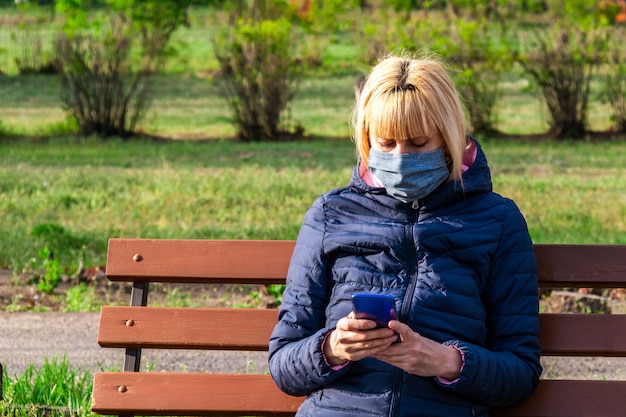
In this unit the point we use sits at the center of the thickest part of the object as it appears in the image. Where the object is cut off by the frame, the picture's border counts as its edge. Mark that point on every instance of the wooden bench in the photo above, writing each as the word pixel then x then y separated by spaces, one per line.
pixel 139 326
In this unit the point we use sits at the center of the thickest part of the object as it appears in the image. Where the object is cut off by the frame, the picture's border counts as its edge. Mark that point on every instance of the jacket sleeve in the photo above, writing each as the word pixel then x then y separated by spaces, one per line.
pixel 296 361
pixel 507 370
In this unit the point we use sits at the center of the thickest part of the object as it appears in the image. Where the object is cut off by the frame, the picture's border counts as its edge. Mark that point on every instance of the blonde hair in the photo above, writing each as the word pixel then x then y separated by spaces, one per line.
pixel 405 97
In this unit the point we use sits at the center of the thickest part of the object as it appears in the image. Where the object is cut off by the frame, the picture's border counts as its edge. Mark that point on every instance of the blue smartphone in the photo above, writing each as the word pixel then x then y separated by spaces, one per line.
pixel 378 307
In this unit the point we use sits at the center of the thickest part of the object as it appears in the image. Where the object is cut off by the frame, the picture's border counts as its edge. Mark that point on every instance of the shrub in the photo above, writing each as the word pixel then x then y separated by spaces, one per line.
pixel 259 71
pixel 478 50
pixel 27 44
pixel 99 89
pixel 105 70
pixel 562 61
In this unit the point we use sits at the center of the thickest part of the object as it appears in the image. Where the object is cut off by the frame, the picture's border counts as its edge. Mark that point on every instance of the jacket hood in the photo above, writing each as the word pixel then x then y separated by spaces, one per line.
pixel 476 180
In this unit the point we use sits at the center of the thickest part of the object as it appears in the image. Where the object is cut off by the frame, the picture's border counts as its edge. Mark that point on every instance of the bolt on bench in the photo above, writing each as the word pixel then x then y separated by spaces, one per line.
pixel 137 327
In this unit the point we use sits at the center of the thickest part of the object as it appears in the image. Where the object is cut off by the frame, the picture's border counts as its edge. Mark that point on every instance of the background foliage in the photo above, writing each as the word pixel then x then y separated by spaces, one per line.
pixel 484 42
pixel 184 174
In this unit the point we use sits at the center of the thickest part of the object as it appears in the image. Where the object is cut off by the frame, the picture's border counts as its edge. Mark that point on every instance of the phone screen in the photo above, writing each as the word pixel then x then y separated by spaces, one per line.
pixel 378 307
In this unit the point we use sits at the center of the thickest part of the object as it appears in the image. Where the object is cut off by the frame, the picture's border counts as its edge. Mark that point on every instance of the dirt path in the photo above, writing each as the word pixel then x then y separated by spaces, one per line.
pixel 27 338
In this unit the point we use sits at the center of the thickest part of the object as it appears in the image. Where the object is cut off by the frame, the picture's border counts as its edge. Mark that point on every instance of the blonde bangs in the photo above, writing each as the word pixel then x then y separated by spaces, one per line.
pixel 401 115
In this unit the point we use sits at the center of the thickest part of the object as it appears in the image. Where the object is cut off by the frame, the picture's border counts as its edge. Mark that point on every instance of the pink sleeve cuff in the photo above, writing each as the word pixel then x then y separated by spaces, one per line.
pixel 336 367
pixel 445 381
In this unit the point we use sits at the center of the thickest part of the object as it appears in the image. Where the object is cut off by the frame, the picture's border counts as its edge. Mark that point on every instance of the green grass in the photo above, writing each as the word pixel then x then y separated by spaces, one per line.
pixel 54 389
pixel 92 191
pixel 570 192
pixel 72 196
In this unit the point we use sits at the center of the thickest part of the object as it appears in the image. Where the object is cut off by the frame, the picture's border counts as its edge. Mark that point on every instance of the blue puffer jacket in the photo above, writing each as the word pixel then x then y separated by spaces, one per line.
pixel 462 270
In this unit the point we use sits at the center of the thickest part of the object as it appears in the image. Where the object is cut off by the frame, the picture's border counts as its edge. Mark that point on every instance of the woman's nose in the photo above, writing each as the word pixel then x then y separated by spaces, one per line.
pixel 401 148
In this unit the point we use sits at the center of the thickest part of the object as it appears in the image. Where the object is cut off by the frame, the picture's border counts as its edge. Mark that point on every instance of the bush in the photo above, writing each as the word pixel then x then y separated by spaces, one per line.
pixel 259 72
pixel 562 61
pixel 28 45
pixel 481 55
pixel 98 86
pixel 106 59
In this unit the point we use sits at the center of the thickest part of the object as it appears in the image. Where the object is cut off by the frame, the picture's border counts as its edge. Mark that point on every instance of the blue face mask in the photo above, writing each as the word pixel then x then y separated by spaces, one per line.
pixel 411 176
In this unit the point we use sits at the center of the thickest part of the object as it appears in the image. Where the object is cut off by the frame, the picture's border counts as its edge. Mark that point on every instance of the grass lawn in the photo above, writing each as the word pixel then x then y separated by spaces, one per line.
pixel 71 196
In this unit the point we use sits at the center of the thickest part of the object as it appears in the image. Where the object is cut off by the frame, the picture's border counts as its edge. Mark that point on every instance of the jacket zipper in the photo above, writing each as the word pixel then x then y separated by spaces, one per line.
pixel 408 296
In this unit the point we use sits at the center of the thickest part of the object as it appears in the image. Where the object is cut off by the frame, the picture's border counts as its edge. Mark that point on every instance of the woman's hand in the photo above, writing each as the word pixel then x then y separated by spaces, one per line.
pixel 354 339
pixel 421 356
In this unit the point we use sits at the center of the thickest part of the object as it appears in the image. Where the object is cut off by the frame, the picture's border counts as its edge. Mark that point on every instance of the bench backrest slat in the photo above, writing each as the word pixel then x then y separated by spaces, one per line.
pixel 266 262
pixel 581 266
pixel 198 261
pixel 583 335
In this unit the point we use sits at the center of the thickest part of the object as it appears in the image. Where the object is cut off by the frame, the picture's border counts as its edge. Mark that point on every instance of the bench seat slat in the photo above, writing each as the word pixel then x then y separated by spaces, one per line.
pixel 570 398
pixel 195 394
pixel 199 261
pixel 190 394
pixel 186 328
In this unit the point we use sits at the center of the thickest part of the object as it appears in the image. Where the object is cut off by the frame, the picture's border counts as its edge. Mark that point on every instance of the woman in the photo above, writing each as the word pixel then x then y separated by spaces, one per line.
pixel 418 221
